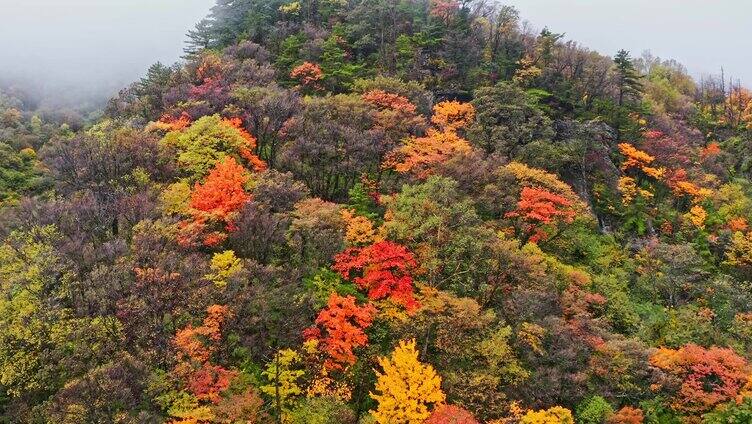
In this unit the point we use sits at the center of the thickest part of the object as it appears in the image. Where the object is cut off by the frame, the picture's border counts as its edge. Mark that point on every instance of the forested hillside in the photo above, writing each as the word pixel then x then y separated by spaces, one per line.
pixel 381 211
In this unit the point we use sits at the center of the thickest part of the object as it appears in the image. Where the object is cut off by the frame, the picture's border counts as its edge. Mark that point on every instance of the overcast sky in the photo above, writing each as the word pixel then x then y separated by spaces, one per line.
pixel 89 44
pixel 702 34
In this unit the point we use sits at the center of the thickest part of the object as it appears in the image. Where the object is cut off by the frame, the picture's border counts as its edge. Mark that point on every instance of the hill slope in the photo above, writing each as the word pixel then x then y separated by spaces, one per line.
pixel 381 211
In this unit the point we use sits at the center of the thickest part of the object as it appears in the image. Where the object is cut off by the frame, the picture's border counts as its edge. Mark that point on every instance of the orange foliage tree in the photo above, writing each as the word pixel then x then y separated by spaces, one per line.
pixel 217 200
pixel 169 123
pixel 384 100
pixel 681 187
pixel 444 9
pixel 712 149
pixel 195 346
pixel 701 378
pixel 246 152
pixel 453 115
pixel 627 415
pixel 190 341
pixel 420 154
pixel 309 75
pixel 395 114
pixel 384 269
pixel 678 181
pixel 538 207
pixel 340 329
pixel 737 224
pixel 451 414
pixel 359 230
pixel 637 159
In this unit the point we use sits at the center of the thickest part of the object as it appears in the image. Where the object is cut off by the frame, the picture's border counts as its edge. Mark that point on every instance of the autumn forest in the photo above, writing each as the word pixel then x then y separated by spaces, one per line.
pixel 381 212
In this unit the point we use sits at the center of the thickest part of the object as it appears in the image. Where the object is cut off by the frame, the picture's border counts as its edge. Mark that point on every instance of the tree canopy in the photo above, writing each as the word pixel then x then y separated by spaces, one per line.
pixel 381 211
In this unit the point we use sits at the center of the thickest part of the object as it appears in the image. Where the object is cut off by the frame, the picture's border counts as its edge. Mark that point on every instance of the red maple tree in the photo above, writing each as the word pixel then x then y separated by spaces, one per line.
pixel 383 269
pixel 209 381
pixel 538 207
pixel 451 414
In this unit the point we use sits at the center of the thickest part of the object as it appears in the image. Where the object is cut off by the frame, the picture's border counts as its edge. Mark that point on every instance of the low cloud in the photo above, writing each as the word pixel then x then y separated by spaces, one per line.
pixel 76 51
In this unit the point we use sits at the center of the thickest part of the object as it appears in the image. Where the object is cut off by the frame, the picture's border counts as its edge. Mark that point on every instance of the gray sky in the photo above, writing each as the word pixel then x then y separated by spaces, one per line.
pixel 85 45
pixel 702 34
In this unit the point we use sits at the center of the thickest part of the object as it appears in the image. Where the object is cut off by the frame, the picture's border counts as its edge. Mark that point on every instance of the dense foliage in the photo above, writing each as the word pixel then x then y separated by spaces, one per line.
pixel 381 211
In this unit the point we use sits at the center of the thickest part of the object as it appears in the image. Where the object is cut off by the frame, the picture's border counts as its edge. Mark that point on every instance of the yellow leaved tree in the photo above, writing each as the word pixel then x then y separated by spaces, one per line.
pixel 555 415
pixel 406 387
pixel 282 379
pixel 697 216
pixel 739 252
pixel 223 266
pixel 360 231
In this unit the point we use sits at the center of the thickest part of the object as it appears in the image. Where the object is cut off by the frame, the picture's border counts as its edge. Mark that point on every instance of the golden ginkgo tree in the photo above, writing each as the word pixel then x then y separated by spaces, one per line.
pixel 406 389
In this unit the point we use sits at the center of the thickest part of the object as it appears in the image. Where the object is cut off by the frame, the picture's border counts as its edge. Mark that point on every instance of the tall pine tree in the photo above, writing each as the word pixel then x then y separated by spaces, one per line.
pixel 200 38
pixel 629 80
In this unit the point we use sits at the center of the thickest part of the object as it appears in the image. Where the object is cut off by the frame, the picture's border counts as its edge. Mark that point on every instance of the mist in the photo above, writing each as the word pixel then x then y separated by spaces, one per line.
pixel 81 52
